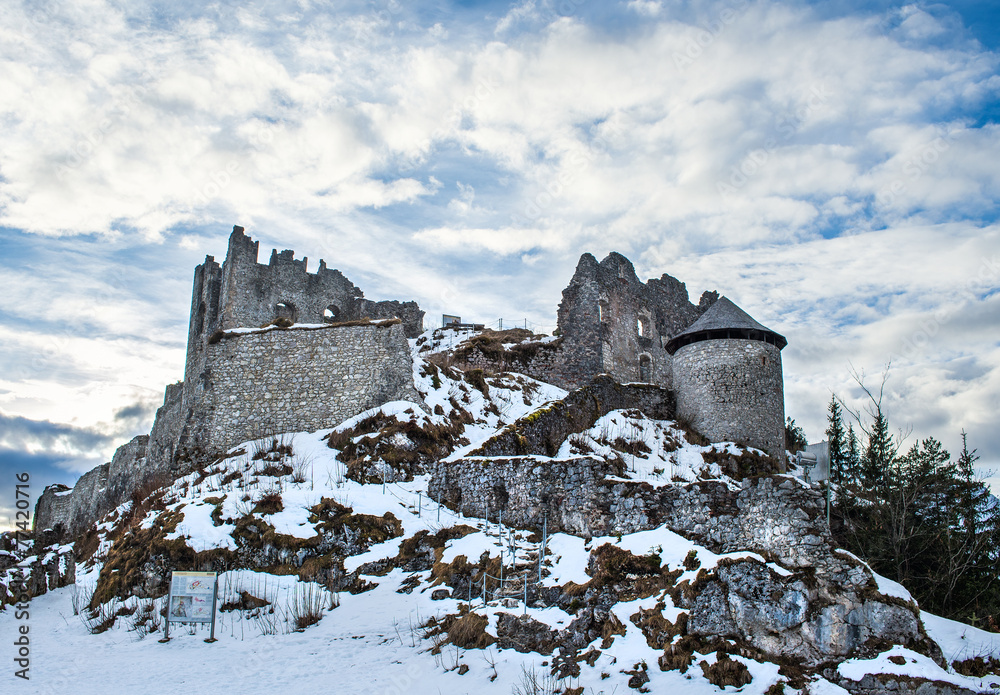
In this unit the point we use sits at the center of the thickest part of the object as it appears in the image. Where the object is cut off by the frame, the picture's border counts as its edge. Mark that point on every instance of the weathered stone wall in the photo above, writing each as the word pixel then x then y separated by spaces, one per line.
pixel 543 431
pixel 251 292
pixel 127 469
pixel 274 381
pixel 731 390
pixel 299 379
pixel 72 513
pixel 606 309
pixel 168 426
pixel 774 514
pixel 599 321
pixel 52 510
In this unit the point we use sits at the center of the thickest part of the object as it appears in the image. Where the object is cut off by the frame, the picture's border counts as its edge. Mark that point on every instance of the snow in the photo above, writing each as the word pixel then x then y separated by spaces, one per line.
pixel 294 326
pixel 371 642
pixel 885 585
pixel 914 665
pixel 959 641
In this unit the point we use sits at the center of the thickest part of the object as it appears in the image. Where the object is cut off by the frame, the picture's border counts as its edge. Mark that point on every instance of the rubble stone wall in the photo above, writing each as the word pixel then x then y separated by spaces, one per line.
pixel 300 379
pixel 731 390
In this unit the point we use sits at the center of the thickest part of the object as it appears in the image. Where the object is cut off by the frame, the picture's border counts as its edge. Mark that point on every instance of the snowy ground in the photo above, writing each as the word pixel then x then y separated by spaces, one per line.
pixel 372 642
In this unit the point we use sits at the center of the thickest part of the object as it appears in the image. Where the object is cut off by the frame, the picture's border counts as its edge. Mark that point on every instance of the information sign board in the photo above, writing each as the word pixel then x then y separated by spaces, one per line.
pixel 192 597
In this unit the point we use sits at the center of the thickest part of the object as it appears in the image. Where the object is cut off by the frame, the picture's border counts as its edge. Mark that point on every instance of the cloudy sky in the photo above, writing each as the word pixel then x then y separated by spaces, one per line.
pixel 831 167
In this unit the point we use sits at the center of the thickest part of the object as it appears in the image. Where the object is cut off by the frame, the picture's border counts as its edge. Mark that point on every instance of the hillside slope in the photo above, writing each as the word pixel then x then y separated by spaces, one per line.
pixel 339 573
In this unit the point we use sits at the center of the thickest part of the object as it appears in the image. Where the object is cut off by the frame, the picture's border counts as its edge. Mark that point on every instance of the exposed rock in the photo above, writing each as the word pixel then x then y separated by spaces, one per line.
pixel 886 684
pixel 525 634
pixel 802 617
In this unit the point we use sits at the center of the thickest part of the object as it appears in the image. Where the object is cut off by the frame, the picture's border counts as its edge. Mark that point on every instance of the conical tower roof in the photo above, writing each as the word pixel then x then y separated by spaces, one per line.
pixel 724 320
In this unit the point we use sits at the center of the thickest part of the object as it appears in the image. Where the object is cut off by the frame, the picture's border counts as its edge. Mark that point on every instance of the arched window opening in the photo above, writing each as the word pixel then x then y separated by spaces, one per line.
pixel 602 311
pixel 331 313
pixel 642 326
pixel 645 369
pixel 285 310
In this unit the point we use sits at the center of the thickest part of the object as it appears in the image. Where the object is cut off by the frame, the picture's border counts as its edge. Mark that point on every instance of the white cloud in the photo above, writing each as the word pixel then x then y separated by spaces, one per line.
pixel 648 8
pixel 723 148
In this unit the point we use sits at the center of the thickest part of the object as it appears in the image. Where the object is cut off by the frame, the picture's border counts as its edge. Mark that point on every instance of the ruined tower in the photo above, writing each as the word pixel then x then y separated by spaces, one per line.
pixel 611 322
pixel 728 381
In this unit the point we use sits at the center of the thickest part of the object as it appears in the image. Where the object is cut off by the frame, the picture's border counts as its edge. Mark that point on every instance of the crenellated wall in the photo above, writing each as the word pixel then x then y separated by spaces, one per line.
pixel 246 385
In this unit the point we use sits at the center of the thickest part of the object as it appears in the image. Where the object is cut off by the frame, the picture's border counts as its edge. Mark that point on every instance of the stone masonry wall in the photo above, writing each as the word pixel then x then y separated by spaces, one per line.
pixel 299 379
pixel 774 515
pixel 52 510
pixel 731 390
pixel 73 511
pixel 599 320
pixel 252 291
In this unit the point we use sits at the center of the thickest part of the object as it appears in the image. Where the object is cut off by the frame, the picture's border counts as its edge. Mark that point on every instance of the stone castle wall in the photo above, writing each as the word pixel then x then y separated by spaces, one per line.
pixel 731 390
pixel 610 322
pixel 299 379
pixel 253 293
pixel 772 514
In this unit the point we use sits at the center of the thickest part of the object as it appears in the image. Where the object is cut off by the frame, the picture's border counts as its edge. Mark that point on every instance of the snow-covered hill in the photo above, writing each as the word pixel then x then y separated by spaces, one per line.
pixel 339 574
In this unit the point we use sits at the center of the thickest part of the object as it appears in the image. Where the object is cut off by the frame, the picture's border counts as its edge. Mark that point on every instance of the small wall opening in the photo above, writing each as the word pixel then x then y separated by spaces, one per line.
pixel 285 310
pixel 603 313
pixel 331 313
pixel 645 369
pixel 642 326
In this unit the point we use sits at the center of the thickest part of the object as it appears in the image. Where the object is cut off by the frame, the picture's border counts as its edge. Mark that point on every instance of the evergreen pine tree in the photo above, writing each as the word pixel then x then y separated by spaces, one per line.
pixel 837 439
pixel 851 472
pixel 880 452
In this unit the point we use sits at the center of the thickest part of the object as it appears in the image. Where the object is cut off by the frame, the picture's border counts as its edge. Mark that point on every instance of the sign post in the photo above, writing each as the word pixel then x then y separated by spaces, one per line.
pixel 192 599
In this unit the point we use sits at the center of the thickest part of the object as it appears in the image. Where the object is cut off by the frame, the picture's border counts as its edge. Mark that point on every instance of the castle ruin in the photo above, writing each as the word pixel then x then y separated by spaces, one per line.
pixel 723 366
pixel 273 348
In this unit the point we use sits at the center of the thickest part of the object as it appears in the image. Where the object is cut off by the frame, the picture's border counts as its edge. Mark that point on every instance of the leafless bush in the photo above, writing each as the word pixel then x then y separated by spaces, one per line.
pixel 302 469
pixel 307 605
pixel 145 620
pixel 533 682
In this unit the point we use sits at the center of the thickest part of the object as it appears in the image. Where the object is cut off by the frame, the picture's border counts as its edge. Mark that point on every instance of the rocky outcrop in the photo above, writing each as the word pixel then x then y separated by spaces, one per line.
pixel 892 684
pixel 52 568
pixel 809 619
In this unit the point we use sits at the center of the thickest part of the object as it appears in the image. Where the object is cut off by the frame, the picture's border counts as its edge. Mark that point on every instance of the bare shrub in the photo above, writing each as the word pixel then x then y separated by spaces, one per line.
pixel 145 620
pixel 307 605
pixel 534 682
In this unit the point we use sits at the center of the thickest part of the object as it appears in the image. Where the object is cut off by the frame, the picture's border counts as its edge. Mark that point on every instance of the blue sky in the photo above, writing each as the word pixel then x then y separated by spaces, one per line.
pixel 831 167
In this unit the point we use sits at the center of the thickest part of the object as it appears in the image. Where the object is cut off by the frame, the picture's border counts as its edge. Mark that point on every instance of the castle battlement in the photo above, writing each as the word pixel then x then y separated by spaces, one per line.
pixel 259 361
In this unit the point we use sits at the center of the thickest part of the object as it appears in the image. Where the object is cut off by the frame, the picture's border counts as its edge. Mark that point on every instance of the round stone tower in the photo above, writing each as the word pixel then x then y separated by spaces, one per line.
pixel 727 377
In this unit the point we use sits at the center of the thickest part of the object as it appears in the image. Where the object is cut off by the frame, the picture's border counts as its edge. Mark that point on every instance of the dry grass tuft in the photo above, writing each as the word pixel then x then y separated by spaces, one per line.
pixel 725 672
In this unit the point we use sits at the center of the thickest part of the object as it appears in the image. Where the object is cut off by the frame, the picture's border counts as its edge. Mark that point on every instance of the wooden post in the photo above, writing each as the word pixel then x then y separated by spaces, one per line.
pixel 215 602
